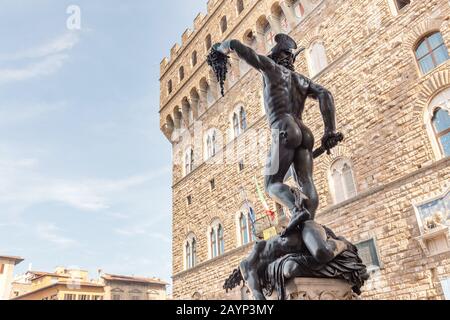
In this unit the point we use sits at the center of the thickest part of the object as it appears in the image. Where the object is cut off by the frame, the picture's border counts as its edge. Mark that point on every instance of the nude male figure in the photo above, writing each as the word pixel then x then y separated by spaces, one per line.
pixel 285 93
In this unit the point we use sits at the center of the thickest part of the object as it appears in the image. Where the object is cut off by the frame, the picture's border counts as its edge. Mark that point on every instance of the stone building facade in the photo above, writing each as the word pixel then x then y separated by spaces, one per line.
pixel 74 284
pixel 119 287
pixel 385 188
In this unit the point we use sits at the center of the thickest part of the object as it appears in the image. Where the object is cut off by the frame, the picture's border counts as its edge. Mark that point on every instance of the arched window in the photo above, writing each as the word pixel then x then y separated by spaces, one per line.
pixel 194 252
pixel 431 52
pixel 317 58
pixel 188 113
pixel 239 120
pixel 245 228
pixel 188 161
pixel 342 182
pixel 236 124
pixel 216 239
pixel 441 124
pixel 221 240
pixel 188 256
pixel 178 117
pixel 223 24
pixel 437 120
pixel 250 39
pixel 280 17
pixel 207 93
pixel 194 58
pixel 211 146
pixel 299 9
pixel 239 6
pixel 169 87
pixel 243 117
pixel 181 73
pixel 214 250
pixel 195 101
pixel 208 42
pixel 190 252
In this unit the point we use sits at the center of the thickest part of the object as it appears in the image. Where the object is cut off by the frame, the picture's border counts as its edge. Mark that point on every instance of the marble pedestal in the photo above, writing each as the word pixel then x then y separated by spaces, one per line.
pixel 318 289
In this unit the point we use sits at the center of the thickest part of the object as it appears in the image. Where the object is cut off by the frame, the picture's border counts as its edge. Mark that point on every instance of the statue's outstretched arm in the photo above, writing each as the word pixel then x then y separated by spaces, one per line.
pixel 246 53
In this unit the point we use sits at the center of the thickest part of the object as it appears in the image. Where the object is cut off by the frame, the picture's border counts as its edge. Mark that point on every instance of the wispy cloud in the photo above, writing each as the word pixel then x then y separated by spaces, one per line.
pixel 21 182
pixel 44 67
pixel 42 60
pixel 62 43
pixel 51 233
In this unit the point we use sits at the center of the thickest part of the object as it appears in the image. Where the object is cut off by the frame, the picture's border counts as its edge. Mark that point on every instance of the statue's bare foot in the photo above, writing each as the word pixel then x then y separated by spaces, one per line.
pixel 298 218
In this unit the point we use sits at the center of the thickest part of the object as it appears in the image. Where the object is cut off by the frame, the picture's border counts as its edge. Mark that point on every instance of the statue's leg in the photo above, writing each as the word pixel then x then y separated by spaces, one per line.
pixel 303 164
pixel 314 236
pixel 321 248
pixel 277 190
pixel 280 158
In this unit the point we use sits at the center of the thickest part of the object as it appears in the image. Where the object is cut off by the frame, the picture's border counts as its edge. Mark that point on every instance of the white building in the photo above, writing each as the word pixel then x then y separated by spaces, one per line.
pixel 7 264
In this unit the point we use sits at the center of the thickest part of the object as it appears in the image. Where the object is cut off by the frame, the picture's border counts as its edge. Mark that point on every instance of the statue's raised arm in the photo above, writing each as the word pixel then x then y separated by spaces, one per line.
pixel 257 61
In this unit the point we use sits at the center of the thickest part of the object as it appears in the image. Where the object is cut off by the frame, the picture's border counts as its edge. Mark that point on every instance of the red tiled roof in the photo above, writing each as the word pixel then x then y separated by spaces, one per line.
pixel 40 274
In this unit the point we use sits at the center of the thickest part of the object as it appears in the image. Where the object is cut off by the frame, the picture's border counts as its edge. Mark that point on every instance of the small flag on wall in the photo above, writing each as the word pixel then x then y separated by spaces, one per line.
pixel 252 216
pixel 262 199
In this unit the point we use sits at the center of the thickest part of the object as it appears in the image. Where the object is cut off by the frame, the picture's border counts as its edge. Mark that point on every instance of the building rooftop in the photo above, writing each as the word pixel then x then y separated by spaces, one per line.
pixel 16 260
pixel 115 277
pixel 39 274
pixel 60 283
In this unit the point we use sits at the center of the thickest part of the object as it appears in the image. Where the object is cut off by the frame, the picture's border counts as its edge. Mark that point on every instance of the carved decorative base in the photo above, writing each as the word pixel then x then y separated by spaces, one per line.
pixel 318 289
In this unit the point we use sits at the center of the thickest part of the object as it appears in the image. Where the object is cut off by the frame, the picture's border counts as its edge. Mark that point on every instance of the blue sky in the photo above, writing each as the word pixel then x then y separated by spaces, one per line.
pixel 85 176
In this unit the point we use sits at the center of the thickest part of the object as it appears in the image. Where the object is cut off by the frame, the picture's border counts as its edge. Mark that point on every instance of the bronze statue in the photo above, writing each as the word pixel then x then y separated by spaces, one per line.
pixel 305 248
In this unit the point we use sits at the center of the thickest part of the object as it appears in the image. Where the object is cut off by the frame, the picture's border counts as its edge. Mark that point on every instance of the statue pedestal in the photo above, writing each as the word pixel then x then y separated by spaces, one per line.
pixel 318 289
